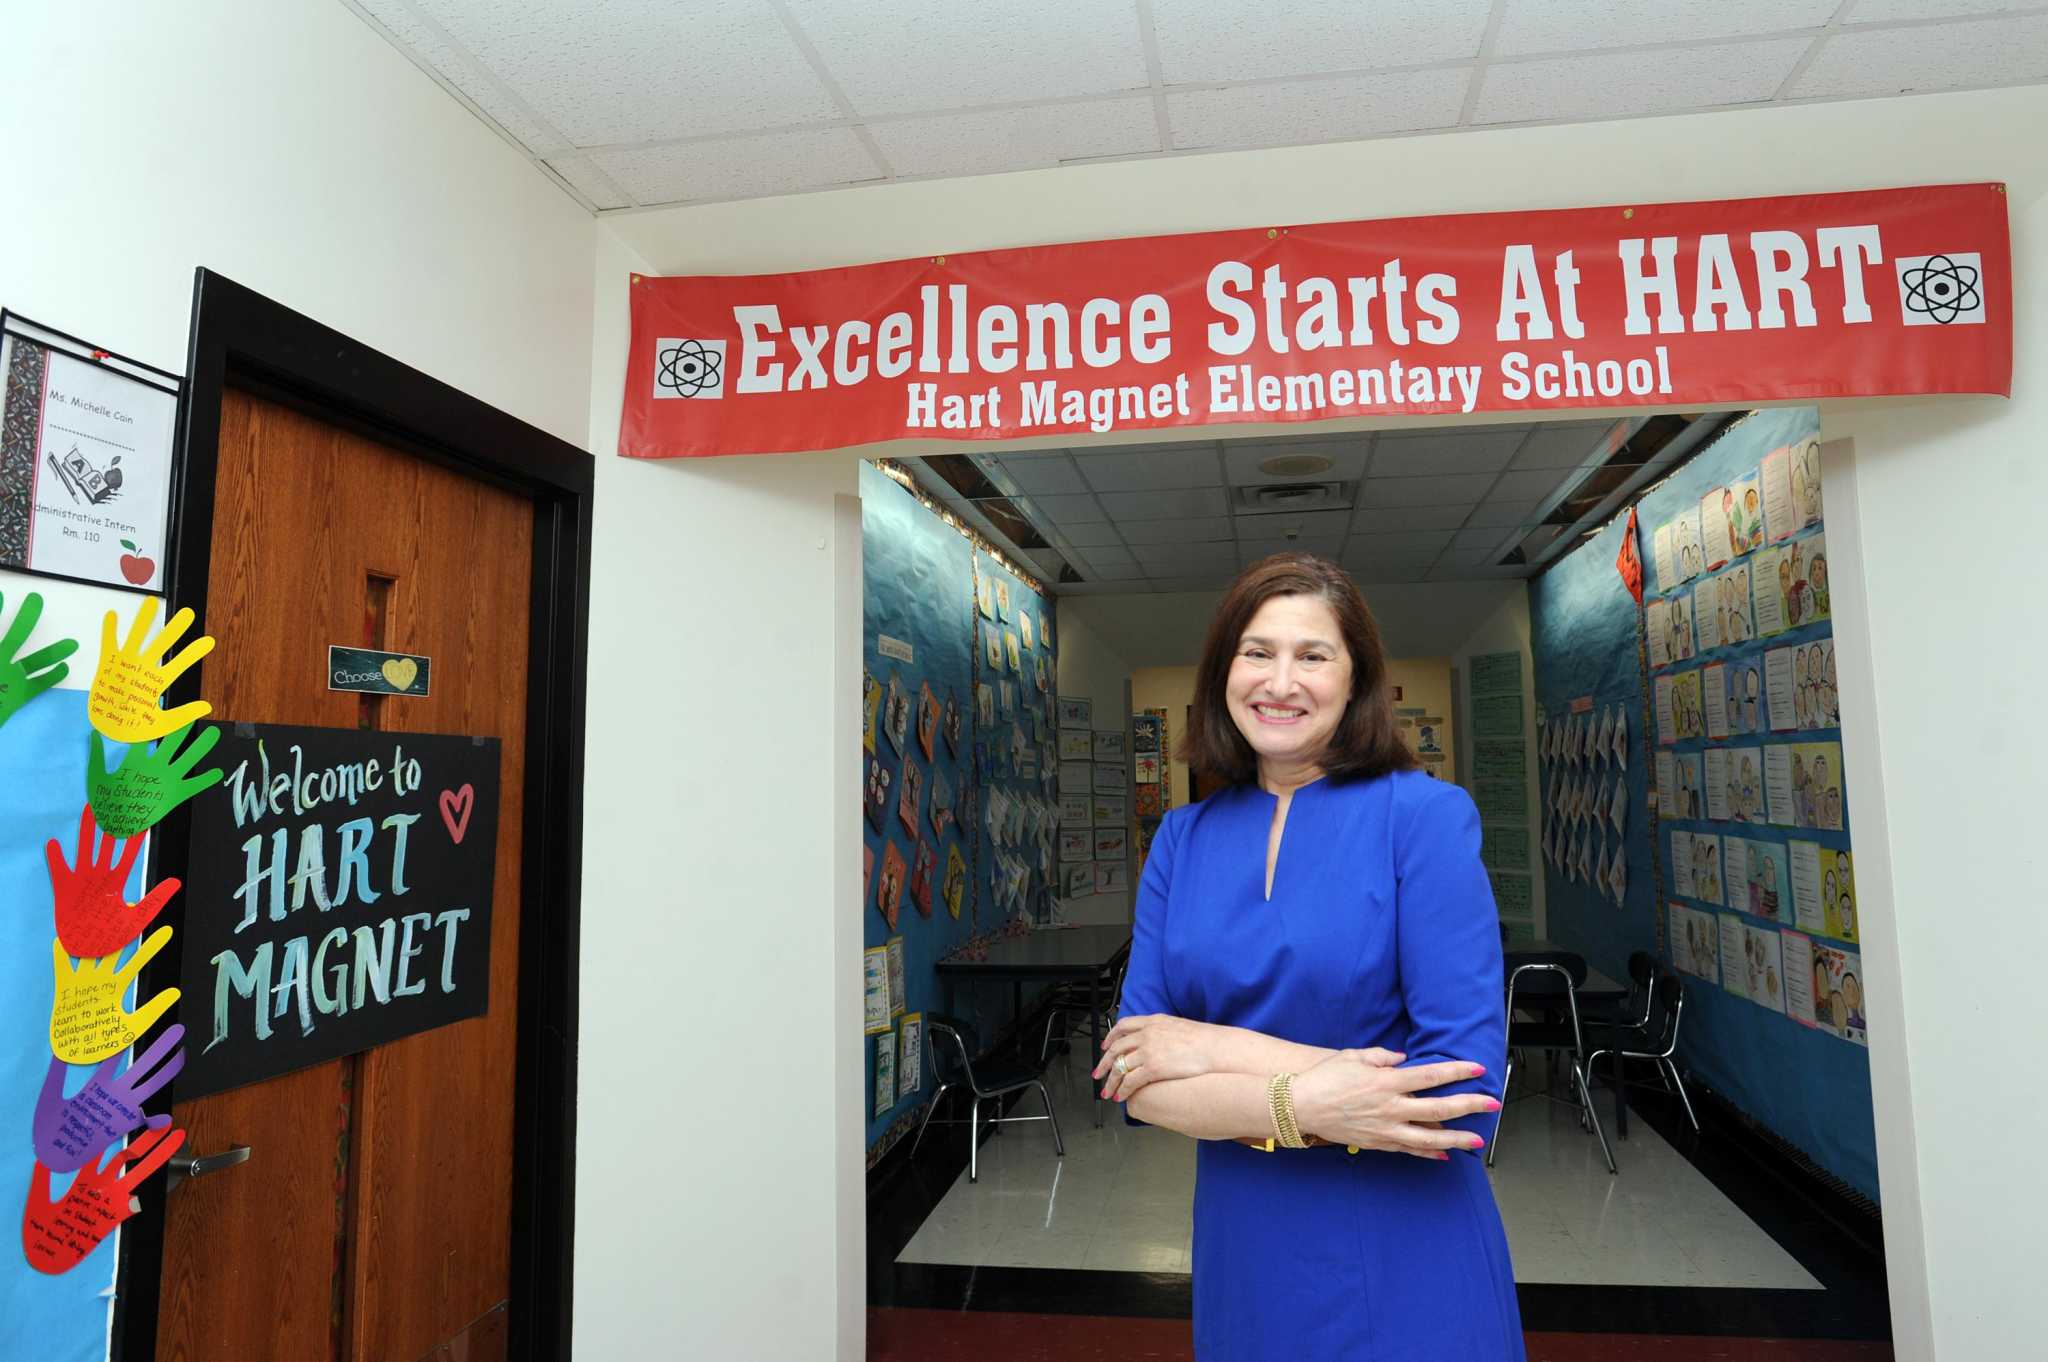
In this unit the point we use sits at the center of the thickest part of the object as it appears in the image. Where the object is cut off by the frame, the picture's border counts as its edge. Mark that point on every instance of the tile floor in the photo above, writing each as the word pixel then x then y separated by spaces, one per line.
pixel 1120 1201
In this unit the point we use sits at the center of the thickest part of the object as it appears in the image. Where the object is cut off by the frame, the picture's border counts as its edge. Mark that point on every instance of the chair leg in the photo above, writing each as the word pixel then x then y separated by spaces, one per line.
pixel 1059 1146
pixel 1507 1081
pixel 928 1112
pixel 974 1141
pixel 1593 1117
pixel 1679 1083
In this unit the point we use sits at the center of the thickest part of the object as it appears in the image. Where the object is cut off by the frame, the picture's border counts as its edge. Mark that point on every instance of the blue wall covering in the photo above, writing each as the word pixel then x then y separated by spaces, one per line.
pixel 919 578
pixel 1808 1084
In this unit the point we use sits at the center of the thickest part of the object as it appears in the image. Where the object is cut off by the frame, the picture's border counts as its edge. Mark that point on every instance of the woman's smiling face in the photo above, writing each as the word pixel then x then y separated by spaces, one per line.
pixel 1290 680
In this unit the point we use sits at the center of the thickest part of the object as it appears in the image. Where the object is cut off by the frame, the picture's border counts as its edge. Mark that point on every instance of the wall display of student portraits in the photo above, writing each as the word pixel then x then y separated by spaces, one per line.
pixel 959 762
pixel 1745 795
pixel 85 459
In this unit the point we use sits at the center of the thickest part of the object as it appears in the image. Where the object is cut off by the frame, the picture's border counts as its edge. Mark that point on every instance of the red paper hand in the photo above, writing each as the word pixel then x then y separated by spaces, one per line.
pixel 94 917
pixel 57 1235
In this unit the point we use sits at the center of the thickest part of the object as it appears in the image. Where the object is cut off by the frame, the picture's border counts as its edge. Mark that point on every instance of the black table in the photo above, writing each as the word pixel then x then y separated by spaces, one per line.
pixel 1598 989
pixel 1082 954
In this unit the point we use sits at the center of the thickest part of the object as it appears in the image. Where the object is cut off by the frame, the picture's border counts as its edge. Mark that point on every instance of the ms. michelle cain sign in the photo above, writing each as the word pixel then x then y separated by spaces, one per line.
pixel 1677 305
pixel 338 896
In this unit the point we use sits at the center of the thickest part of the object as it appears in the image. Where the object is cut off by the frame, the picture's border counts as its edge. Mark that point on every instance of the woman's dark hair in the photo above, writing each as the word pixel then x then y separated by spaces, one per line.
pixel 1365 742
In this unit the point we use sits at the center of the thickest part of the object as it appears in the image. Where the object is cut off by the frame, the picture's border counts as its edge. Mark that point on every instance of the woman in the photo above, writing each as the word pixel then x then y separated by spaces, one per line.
pixel 1329 902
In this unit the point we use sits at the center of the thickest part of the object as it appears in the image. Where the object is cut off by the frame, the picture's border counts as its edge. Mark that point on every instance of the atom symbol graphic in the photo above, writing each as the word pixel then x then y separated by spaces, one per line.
pixel 1941 289
pixel 688 368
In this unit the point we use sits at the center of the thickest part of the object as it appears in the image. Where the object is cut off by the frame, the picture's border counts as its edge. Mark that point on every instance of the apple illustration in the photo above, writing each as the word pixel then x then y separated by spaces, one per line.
pixel 134 566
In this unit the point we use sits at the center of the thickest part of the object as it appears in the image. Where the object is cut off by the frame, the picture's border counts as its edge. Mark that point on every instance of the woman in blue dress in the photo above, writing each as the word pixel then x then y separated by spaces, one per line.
pixel 1315 969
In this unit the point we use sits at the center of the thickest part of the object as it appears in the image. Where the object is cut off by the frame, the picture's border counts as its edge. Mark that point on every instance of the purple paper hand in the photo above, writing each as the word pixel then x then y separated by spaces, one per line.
pixel 71 1132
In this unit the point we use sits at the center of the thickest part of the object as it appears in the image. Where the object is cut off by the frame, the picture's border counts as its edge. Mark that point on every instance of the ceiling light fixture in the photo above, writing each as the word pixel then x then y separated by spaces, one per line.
pixel 1295 465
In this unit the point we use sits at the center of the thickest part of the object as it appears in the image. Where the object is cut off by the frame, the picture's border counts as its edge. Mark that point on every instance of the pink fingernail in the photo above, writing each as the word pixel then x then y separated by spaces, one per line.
pixel 1443 1158
pixel 1477 1143
pixel 1478 1069
pixel 1492 1105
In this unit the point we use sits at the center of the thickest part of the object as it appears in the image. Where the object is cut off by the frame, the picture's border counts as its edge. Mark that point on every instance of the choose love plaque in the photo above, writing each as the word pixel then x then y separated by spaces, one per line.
pixel 338 896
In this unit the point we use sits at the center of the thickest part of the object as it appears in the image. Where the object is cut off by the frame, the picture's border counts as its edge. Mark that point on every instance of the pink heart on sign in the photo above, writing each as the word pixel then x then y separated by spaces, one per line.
pixel 455 807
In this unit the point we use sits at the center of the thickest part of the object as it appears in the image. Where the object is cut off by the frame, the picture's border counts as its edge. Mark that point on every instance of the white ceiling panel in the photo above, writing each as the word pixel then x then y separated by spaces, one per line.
pixel 1575 25
pixel 897 56
pixel 1070 510
pixel 1276 525
pixel 1182 559
pixel 1439 452
pixel 1891 11
pixel 1346 457
pixel 1501 515
pixel 429 44
pixel 1108 556
pixel 1564 446
pixel 1525 485
pixel 1481 539
pixel 1403 545
pixel 1152 466
pixel 1433 491
pixel 1372 520
pixel 1197 530
pixel 1250 551
pixel 1314 110
pixel 590 182
pixel 617 71
pixel 1166 504
pixel 990 141
pixel 740 168
pixel 1614 84
pixel 1938 57
pixel 1114 572
pixel 1087 537
pixel 1227 40
pixel 1033 476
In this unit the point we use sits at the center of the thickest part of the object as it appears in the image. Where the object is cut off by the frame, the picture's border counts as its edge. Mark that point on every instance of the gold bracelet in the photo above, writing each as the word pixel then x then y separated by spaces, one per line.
pixel 1280 1096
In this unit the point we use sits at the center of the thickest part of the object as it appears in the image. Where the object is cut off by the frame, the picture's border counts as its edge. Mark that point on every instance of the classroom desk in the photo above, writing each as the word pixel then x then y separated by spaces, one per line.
pixel 1598 989
pixel 1079 954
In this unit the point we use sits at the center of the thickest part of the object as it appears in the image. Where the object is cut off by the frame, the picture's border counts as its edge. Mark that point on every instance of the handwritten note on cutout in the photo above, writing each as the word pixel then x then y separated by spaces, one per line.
pixel 57 1235
pixel 149 782
pixel 71 1131
pixel 94 917
pixel 88 1020
pixel 128 688
pixel 23 679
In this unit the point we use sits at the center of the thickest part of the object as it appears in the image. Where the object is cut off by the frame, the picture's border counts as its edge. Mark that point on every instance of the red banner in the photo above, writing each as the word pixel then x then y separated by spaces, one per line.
pixel 1679 305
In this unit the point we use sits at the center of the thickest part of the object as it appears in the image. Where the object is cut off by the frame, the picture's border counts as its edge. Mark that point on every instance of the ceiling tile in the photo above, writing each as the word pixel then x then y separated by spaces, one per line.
pixel 1160 559
pixel 1502 514
pixel 770 164
pixel 589 182
pixel 1241 459
pixel 1034 476
pixel 1575 25
pixel 1107 556
pixel 1204 529
pixel 1315 110
pixel 1119 572
pixel 1890 11
pixel 1403 545
pixel 1940 57
pixel 1567 445
pixel 1085 537
pixel 1147 468
pixel 610 71
pixel 1017 139
pixel 1252 550
pixel 1370 520
pixel 429 42
pixel 1616 84
pixel 1180 504
pixel 1481 539
pixel 1278 524
pixel 1467 556
pixel 1434 491
pixel 899 56
pixel 1213 40
pixel 1451 451
pixel 1069 510
pixel 1526 485
pixel 1370 575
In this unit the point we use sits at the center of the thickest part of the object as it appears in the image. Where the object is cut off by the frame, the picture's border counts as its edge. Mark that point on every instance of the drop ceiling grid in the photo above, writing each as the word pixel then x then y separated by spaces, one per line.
pixel 647 103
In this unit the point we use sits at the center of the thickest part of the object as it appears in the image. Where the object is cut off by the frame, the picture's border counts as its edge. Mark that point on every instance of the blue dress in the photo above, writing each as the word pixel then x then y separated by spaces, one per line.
pixel 1381 931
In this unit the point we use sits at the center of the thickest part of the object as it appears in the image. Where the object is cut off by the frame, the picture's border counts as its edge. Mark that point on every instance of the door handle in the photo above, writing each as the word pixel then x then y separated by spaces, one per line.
pixel 184 1166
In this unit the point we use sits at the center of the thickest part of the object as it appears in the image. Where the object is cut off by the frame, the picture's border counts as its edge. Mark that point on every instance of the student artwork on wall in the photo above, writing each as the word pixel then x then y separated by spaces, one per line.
pixel 1076 712
pixel 1109 746
pixel 1717 544
pixel 992 647
pixel 1824 890
pixel 909 1056
pixel 922 868
pixel 1828 984
pixel 928 716
pixel 898 991
pixel 1076 745
pixel 1109 779
pixel 889 888
pixel 1111 877
pixel 870 708
pixel 1076 844
pixel 955 883
pixel 1695 943
pixel 875 791
pixel 1024 629
pixel 1109 842
pixel 949 724
pixel 909 798
pixel 1685 542
pixel 1109 811
pixel 885 1072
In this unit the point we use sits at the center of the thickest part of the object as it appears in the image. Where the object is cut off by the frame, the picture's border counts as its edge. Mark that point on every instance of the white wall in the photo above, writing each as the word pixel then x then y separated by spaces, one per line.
pixel 287 146
pixel 1505 630
pixel 1943 589
pixel 1093 666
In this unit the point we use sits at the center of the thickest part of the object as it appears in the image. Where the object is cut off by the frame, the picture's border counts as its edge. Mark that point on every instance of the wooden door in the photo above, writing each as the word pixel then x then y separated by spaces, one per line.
pixel 372 1221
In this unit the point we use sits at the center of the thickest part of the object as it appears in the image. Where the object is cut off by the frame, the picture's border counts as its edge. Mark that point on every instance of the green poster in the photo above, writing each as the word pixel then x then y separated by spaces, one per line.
pixel 1497 716
pixel 1494 673
pixel 1502 798
pixel 1512 895
pixel 1499 758
pixel 1504 848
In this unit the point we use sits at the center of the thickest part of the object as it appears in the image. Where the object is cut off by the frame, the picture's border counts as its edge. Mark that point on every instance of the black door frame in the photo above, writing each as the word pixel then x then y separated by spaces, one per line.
pixel 241 339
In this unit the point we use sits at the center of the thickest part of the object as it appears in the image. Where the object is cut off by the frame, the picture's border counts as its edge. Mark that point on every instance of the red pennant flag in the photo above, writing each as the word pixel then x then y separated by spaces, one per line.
pixel 1629 562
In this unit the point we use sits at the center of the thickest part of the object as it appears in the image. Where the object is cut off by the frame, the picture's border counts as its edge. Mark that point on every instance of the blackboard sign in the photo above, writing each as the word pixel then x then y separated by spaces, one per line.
pixel 337 896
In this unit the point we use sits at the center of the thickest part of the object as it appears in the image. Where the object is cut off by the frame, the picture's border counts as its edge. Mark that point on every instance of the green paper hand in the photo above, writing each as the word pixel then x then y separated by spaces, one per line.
pixel 147 784
pixel 22 680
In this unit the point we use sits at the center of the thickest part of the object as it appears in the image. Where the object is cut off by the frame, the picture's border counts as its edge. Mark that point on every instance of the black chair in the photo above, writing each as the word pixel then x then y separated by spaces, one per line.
pixel 1656 1041
pixel 949 1040
pixel 1071 1005
pixel 1547 982
pixel 1634 1010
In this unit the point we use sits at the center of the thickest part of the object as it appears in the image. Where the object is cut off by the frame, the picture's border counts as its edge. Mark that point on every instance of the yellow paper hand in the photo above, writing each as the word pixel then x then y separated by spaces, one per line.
pixel 88 1021
pixel 132 678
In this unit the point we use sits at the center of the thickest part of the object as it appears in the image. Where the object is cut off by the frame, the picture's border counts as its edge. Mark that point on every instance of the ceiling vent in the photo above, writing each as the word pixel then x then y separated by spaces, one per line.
pixel 1293 497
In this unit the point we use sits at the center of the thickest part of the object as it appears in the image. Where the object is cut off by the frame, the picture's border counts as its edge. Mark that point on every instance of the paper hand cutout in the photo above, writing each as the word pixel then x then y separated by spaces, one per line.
pixel 57 1235
pixel 94 917
pixel 148 783
pixel 88 1021
pixel 23 679
pixel 71 1132
pixel 132 679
